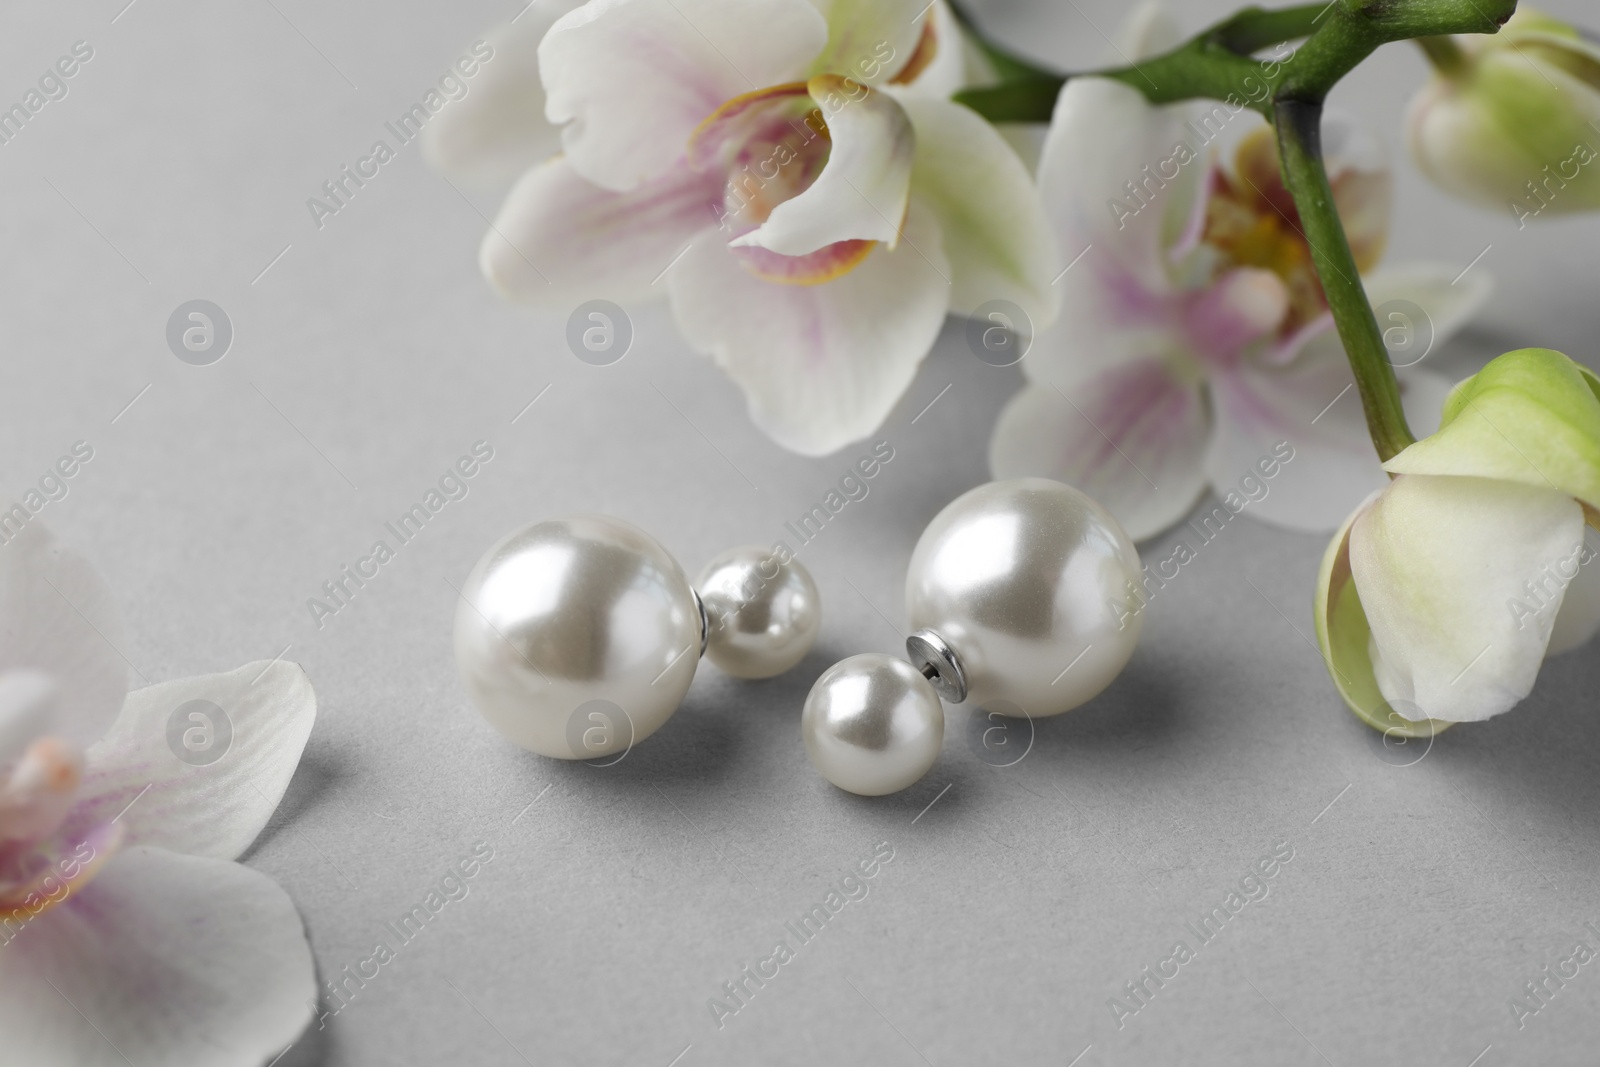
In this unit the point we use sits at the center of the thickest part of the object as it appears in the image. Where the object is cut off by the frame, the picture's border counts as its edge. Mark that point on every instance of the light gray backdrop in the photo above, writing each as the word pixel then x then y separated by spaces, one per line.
pixel 370 356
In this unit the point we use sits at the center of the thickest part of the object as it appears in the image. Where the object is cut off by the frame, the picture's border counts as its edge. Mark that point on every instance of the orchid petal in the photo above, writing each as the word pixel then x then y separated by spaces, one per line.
pixel 1311 406
pixel 1448 299
pixel 995 231
pixel 162 959
pixel 943 61
pixel 202 803
pixel 820 365
pixel 631 79
pixel 57 618
pixel 497 129
pixel 1087 192
pixel 869 40
pixel 1346 643
pixel 1444 566
pixel 862 192
pixel 1133 438
pixel 560 240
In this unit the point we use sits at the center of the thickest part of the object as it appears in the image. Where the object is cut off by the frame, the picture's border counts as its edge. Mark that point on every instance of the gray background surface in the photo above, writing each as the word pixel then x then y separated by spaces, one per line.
pixel 1415 907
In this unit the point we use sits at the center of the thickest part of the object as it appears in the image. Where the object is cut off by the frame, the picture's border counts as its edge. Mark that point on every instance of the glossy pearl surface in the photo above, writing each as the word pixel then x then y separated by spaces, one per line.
pixel 1035 587
pixel 762 615
pixel 872 724
pixel 563 623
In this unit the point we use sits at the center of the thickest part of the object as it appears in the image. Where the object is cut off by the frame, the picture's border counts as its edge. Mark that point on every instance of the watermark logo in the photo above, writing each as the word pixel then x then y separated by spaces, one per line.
pixel 599 333
pixel 1408 332
pixel 1000 734
pixel 199 333
pixel 1398 748
pixel 199 733
pixel 601 730
pixel 1000 333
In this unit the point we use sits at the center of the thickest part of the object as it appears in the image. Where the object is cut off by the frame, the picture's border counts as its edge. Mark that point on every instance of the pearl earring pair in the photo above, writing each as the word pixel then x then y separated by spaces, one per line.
pixel 578 637
pixel 1018 593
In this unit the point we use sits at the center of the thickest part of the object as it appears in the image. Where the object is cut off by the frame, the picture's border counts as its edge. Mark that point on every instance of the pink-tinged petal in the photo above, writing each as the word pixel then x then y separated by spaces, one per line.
pixel 823 265
pixel 820 365
pixel 1444 567
pixel 497 129
pixel 198 765
pixel 57 618
pixel 870 40
pixel 1237 310
pixel 1133 438
pixel 44 878
pixel 995 230
pixel 861 193
pixel 162 959
pixel 631 79
pixel 560 240
pixel 1311 406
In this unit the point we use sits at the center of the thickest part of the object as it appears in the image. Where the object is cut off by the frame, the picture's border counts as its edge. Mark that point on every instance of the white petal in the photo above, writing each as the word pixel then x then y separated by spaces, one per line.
pixel 869 40
pixel 1447 298
pixel 498 129
pixel 28 701
pixel 821 365
pixel 1311 406
pixel 995 231
pixel 1149 31
pixel 162 959
pixel 951 65
pixel 560 240
pixel 1134 439
pixel 206 808
pixel 1441 565
pixel 862 192
pixel 633 78
pixel 58 618
pixel 1104 136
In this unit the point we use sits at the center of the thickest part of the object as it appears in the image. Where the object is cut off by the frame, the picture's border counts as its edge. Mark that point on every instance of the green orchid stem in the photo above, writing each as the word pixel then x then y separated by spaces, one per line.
pixel 1443 52
pixel 1299 127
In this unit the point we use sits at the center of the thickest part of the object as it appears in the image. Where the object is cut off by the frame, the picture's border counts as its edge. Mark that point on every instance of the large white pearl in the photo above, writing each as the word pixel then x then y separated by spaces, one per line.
pixel 872 724
pixel 577 637
pixel 762 615
pixel 1034 586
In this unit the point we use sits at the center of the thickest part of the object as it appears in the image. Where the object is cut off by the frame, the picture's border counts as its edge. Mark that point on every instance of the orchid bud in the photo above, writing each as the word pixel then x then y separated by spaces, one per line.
pixel 1513 120
pixel 1443 594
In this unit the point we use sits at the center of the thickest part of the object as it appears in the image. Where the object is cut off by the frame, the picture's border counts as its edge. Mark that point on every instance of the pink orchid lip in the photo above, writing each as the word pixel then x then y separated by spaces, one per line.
pixel 772 144
pixel 56 875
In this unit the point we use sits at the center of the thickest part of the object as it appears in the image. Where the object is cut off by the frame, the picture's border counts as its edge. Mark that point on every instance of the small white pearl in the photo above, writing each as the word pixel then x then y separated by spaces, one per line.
pixel 872 724
pixel 577 637
pixel 763 615
pixel 1033 585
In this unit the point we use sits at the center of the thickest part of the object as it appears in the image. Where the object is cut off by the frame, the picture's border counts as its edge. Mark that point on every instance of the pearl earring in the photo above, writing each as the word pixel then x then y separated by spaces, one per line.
pixel 1019 595
pixel 578 637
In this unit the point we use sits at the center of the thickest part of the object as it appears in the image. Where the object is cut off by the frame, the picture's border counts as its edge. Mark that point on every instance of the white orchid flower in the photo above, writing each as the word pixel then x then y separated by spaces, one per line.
pixel 1194 336
pixel 1442 595
pixel 791 175
pixel 128 934
pixel 1512 120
